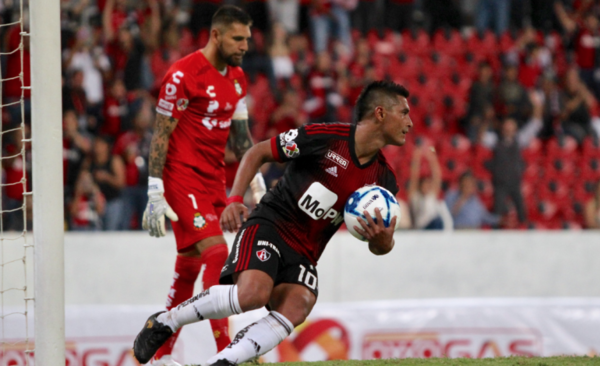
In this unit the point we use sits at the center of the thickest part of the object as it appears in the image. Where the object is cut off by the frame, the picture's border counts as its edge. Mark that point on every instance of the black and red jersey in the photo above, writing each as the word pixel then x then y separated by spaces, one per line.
pixel 307 204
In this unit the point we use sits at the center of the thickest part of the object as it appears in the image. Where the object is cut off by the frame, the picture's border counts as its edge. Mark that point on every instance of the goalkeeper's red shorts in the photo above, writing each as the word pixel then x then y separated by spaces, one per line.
pixel 198 209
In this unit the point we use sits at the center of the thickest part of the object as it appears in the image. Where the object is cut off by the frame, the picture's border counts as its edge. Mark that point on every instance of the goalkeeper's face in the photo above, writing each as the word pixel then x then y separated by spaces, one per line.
pixel 233 43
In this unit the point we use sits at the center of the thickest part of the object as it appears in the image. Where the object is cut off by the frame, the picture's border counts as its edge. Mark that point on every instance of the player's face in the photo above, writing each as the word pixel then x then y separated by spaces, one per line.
pixel 397 122
pixel 233 43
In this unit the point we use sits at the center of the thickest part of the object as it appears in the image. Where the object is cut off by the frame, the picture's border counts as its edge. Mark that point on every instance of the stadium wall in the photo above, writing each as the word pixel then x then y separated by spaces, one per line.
pixel 133 268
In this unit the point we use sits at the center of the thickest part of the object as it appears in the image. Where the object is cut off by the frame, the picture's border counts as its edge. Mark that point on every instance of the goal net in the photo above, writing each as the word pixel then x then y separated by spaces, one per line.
pixel 31 251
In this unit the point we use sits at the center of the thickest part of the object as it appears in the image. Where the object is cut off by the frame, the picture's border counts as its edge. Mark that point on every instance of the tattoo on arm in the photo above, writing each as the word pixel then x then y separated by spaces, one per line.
pixel 239 137
pixel 160 144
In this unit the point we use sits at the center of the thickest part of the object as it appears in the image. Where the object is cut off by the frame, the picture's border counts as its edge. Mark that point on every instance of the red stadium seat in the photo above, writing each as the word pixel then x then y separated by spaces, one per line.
pixel 508 41
pixel 533 153
pixel 591 148
pixel 590 169
pixel 416 42
pixel 449 42
pixel 456 146
pixel 564 146
pixel 556 168
pixel 485 43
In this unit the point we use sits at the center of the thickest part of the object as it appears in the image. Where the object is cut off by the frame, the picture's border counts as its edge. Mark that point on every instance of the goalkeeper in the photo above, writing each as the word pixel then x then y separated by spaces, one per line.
pixel 201 108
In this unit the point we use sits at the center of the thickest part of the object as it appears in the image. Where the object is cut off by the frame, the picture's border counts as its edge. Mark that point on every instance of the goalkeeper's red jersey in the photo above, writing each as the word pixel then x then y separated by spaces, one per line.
pixel 205 101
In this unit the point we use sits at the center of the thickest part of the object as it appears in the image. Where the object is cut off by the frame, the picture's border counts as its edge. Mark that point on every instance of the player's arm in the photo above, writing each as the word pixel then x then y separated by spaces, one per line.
pixel 240 142
pixel 157 208
pixel 252 160
pixel 159 146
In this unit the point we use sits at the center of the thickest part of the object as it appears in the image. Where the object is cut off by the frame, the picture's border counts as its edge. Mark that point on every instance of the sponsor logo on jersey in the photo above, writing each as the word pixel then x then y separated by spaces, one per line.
pixel 238 88
pixel 165 105
pixel 291 150
pixel 182 104
pixel 264 243
pixel 224 268
pixel 212 217
pixel 263 255
pixel 228 107
pixel 318 201
pixel 336 158
pixel 332 171
pixel 211 123
pixel 199 221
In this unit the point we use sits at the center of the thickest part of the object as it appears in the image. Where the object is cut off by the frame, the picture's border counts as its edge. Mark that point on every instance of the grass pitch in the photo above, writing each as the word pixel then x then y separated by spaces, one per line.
pixel 498 361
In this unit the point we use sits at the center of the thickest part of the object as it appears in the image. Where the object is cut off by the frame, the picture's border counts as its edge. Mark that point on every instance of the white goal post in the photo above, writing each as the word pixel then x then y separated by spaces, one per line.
pixel 48 215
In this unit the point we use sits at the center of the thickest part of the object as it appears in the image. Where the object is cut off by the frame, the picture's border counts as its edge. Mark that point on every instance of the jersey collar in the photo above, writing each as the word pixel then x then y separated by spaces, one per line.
pixel 353 151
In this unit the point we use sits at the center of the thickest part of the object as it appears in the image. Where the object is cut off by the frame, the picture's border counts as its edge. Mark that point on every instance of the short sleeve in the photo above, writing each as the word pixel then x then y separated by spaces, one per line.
pixel 294 144
pixel 241 110
pixel 390 183
pixel 173 98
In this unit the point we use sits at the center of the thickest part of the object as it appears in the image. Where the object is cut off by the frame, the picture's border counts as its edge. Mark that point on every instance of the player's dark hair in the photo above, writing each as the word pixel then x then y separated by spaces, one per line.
pixel 376 94
pixel 229 14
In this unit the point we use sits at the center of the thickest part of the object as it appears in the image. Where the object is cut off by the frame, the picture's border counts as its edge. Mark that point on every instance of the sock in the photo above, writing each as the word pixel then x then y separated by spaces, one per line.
pixel 182 288
pixel 256 339
pixel 215 303
pixel 213 258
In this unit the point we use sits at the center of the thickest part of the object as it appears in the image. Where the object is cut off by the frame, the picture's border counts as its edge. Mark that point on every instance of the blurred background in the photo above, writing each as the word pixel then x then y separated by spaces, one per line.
pixel 503 99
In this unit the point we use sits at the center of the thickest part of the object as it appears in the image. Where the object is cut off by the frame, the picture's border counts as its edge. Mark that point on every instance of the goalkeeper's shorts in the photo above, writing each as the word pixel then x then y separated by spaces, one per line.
pixel 198 209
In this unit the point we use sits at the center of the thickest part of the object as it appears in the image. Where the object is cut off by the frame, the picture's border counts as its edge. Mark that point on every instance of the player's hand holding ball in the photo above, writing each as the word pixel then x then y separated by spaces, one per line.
pixel 234 214
pixel 156 209
pixel 371 214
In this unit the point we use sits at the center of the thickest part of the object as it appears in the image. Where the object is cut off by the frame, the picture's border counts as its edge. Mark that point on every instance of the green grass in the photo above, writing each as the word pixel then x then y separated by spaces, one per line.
pixel 498 361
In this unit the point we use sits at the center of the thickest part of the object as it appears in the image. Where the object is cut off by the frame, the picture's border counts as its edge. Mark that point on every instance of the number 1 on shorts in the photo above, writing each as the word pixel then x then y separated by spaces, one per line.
pixel 191 196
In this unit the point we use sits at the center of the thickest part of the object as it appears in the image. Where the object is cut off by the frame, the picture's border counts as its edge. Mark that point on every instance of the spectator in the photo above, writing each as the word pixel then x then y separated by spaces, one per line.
pixel 109 173
pixel 75 98
pixel 201 16
pixel 423 193
pixel 592 210
pixel 576 118
pixel 15 170
pixel 285 12
pixel 77 144
pixel 279 51
pixel 88 205
pixel 554 102
pixel 586 38
pixel 482 91
pixel 323 97
pixel 331 17
pixel 89 57
pixel 368 15
pixel 116 110
pixel 134 148
pixel 11 88
pixel 493 11
pixel 468 212
pixel 512 96
pixel 288 115
pixel 507 164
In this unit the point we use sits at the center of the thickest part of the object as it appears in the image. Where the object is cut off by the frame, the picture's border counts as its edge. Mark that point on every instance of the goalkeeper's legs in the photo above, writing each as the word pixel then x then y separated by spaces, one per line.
pixel 186 272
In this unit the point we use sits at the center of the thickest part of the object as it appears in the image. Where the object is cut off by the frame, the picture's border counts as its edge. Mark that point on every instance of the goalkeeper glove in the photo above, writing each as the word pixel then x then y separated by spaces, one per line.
pixel 156 209
pixel 258 187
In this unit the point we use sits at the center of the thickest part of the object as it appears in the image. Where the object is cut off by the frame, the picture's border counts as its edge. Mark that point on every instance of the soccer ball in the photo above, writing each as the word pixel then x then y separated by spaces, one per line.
pixel 367 199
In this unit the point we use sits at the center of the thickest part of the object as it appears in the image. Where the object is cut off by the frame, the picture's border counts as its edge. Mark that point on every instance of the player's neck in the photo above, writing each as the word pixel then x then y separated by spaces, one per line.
pixel 367 142
pixel 211 54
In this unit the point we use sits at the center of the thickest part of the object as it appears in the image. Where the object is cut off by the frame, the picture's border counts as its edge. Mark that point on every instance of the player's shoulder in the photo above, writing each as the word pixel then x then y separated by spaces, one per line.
pixel 192 64
pixel 328 130
pixel 236 72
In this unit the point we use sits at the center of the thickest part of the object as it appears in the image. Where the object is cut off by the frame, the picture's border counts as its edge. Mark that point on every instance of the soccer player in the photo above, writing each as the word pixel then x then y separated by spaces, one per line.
pixel 274 257
pixel 201 108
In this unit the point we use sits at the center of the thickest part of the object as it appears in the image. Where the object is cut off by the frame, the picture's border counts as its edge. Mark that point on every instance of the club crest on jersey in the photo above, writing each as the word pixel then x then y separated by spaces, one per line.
pixel 263 255
pixel 199 221
pixel 182 104
pixel 288 136
pixel 238 88
pixel 291 150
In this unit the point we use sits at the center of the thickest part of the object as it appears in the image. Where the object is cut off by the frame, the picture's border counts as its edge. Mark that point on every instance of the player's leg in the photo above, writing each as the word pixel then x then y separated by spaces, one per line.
pixel 290 304
pixel 291 301
pixel 216 302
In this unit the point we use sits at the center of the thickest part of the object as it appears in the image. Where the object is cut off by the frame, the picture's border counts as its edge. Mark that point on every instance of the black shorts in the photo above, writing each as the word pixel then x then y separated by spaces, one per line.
pixel 259 246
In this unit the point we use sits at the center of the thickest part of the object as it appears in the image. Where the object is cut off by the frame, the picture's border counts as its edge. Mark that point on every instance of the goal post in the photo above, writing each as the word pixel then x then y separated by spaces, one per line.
pixel 47 175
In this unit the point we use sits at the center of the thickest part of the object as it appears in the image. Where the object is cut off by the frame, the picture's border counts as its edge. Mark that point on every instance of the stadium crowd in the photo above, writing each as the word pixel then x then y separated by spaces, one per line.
pixel 504 99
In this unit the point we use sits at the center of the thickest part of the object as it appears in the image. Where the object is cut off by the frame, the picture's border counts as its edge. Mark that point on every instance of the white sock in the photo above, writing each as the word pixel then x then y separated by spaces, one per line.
pixel 217 302
pixel 256 339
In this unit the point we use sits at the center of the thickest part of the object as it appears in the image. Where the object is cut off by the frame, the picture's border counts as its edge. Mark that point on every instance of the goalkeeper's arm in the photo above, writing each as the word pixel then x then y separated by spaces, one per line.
pixel 157 208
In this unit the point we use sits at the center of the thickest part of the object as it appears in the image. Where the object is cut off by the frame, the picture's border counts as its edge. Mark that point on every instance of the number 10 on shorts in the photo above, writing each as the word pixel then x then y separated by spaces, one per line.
pixel 309 279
